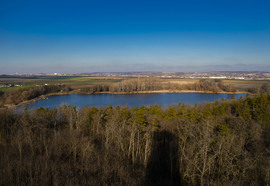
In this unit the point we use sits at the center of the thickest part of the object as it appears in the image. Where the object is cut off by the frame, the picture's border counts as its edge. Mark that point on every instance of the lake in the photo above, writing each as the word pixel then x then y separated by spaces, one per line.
pixel 131 100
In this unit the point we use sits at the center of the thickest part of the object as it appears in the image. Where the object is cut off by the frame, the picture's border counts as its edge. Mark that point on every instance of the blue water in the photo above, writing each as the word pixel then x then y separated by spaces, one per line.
pixel 131 100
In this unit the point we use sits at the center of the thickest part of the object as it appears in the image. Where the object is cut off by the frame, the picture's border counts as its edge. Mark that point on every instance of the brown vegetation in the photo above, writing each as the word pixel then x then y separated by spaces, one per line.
pixel 18 96
pixel 154 84
pixel 220 143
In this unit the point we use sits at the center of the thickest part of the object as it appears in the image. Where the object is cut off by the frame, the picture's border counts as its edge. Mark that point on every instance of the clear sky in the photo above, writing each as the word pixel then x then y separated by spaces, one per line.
pixel 44 36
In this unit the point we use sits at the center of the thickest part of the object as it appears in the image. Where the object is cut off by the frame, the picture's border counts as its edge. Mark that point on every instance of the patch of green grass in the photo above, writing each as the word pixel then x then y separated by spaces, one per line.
pixel 73 82
pixel 15 88
pixel 4 89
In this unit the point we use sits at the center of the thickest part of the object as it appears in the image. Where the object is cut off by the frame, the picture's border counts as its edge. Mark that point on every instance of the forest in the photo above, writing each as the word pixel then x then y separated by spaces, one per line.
pixel 221 143
pixel 14 97
pixel 153 84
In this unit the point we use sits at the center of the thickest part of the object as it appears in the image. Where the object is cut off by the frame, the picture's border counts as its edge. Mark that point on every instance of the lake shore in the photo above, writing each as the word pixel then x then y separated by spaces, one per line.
pixel 24 103
pixel 150 92
pixel 173 91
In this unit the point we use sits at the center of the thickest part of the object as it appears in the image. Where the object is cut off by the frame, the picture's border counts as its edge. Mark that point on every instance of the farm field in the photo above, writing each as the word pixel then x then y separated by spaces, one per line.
pixel 73 82
pixel 245 84
pixel 238 84
pixel 181 81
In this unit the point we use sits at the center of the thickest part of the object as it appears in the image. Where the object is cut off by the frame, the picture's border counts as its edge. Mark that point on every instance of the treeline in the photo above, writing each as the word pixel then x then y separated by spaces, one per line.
pixel 18 96
pixel 126 86
pixel 94 89
pixel 140 84
pixel 220 143
pixel 152 84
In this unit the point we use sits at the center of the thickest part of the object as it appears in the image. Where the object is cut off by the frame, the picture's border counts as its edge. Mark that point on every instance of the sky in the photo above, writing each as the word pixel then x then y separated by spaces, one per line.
pixel 44 36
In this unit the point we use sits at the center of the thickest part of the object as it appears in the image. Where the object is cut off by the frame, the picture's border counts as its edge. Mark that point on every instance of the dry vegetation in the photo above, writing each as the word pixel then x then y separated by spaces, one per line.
pixel 220 143
pixel 14 97
pixel 154 84
pixel 247 85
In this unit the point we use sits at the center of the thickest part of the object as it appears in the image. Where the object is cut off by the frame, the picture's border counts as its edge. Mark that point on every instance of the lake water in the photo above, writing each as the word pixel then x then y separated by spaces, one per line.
pixel 131 100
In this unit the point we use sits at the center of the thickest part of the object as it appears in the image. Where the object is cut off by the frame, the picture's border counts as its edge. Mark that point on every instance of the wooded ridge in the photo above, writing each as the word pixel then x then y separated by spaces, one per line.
pixel 220 143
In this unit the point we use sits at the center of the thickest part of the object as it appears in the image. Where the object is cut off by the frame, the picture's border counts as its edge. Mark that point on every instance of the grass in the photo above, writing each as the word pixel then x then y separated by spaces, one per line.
pixel 14 88
pixel 73 82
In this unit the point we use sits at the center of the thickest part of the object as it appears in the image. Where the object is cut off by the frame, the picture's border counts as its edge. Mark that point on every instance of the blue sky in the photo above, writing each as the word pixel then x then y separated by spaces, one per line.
pixel 134 35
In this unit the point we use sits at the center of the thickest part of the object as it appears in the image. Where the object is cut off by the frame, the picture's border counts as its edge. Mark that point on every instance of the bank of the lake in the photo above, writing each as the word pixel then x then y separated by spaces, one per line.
pixel 132 100
pixel 27 102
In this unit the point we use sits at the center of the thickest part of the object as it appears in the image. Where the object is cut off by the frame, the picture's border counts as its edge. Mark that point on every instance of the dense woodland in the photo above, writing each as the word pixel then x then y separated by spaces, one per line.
pixel 219 143
pixel 152 84
pixel 18 96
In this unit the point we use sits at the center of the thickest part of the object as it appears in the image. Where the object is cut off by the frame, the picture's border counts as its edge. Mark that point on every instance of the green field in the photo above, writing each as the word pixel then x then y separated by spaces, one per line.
pixel 15 88
pixel 73 82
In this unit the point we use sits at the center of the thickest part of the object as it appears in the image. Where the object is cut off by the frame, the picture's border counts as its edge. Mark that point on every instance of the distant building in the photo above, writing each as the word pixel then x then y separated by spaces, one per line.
pixel 219 77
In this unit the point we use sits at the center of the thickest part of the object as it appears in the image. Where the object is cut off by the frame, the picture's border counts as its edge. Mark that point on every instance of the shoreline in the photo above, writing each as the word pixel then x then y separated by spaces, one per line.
pixel 172 91
pixel 149 92
pixel 24 103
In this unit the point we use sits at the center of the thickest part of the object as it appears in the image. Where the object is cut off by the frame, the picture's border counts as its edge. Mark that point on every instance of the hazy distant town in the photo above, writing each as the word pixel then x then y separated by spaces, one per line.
pixel 241 75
